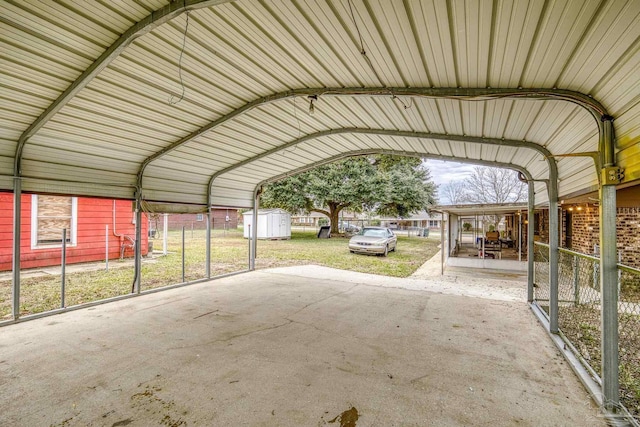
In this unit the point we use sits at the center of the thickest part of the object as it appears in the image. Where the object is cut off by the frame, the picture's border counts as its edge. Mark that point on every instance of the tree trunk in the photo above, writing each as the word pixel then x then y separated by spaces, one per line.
pixel 334 211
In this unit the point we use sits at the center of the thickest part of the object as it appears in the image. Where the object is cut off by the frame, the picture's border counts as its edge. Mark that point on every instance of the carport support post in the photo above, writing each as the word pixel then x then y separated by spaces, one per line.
pixel 207 261
pixel 554 254
pixel 530 247
pixel 137 262
pixel 608 273
pixel 442 248
pixel 253 235
pixel 17 208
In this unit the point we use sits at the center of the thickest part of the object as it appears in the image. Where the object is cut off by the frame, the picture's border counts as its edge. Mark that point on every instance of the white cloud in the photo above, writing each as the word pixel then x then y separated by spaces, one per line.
pixel 443 172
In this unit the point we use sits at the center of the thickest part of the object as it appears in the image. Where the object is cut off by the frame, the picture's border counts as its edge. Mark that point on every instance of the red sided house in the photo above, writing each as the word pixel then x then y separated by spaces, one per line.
pixel 86 220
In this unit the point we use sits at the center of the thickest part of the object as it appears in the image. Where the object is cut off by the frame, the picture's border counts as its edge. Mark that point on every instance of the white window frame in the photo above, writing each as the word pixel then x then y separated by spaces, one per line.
pixel 34 225
pixel 199 217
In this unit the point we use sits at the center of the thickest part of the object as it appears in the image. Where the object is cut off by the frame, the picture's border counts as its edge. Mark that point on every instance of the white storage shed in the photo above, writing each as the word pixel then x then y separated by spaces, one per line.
pixel 273 224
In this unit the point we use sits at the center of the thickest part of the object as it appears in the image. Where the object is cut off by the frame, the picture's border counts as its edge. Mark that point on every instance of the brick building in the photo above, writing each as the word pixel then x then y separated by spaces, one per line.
pixel 580 227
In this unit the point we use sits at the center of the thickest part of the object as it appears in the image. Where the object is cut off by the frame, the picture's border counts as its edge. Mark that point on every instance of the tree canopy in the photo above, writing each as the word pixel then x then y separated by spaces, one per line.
pixel 382 184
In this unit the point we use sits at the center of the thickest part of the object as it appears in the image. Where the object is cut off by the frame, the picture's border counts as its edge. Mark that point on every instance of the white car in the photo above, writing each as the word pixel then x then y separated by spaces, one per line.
pixel 373 240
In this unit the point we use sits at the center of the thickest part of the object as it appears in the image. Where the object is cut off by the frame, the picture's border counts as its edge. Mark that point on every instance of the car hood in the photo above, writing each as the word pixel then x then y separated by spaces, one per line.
pixel 367 239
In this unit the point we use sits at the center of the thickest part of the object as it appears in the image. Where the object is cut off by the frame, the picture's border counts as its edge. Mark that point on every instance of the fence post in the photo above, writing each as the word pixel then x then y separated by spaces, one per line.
pixel 553 253
pixel 207 267
pixel 137 245
pixel 106 247
pixel 183 254
pixel 530 243
pixel 576 281
pixel 63 264
pixel 249 235
pixel 165 234
pixel 17 226
pixel 254 220
pixel 442 248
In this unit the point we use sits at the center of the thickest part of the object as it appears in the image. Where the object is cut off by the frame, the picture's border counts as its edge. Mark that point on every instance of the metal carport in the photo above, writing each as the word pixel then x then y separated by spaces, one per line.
pixel 202 102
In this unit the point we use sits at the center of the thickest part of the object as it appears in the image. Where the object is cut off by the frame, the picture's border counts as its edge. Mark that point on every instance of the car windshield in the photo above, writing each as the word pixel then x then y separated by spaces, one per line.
pixel 374 232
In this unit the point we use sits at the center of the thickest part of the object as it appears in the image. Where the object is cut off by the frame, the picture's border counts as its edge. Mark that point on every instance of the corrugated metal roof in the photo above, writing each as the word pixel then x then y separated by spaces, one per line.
pixel 247 69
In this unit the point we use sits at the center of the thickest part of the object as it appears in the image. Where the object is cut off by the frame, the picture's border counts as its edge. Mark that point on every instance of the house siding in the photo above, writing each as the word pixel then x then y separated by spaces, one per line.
pixel 93 216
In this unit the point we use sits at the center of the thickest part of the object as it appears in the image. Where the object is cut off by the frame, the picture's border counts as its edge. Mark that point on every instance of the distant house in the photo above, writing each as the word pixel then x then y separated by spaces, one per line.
pixel 308 219
pixel 311 219
pixel 90 224
pixel 421 219
pixel 221 219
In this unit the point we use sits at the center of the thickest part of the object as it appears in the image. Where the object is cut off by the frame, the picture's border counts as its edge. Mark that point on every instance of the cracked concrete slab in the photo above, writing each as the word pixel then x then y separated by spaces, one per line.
pixel 304 346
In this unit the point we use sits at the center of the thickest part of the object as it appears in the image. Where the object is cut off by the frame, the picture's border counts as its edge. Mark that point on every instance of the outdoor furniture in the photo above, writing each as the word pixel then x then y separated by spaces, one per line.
pixel 492 244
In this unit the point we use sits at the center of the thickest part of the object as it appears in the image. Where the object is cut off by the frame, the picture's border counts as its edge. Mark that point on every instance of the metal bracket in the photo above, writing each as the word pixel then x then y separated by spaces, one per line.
pixel 611 175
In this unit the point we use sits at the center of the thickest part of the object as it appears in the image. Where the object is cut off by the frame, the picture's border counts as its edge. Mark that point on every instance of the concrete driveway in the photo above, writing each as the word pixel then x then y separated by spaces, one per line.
pixel 299 346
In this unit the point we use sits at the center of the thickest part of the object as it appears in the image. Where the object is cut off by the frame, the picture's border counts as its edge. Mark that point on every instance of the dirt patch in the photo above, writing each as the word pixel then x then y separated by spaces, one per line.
pixel 150 402
pixel 348 418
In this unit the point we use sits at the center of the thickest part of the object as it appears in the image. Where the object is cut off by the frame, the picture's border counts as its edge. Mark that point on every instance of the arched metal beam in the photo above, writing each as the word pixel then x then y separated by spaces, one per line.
pixel 407 134
pixel 155 19
pixel 355 153
pixel 595 108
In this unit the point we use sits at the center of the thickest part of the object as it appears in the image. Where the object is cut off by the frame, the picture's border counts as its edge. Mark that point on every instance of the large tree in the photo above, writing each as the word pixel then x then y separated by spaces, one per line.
pixel 388 185
pixel 494 185
pixel 454 193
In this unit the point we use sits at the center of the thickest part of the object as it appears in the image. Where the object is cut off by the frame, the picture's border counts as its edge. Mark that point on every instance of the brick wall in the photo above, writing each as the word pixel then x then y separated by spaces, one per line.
pixel 628 231
pixel 586 230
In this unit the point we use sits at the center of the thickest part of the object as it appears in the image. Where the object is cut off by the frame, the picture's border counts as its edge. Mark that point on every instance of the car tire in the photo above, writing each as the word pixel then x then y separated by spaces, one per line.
pixel 386 251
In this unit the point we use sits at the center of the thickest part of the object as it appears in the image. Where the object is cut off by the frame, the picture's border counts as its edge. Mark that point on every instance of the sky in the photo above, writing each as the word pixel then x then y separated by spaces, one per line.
pixel 444 172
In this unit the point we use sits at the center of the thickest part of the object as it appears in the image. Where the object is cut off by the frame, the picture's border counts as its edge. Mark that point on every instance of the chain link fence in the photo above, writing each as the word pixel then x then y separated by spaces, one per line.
pixel 541 275
pixel 80 250
pixel 579 314
pixel 629 336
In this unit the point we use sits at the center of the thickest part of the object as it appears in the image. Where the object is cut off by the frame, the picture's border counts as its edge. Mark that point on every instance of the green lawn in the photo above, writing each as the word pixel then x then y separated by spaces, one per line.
pixel 229 253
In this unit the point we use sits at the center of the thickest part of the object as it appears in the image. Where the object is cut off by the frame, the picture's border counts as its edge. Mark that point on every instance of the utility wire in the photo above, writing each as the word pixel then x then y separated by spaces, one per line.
pixel 363 52
pixel 405 106
pixel 295 113
pixel 172 98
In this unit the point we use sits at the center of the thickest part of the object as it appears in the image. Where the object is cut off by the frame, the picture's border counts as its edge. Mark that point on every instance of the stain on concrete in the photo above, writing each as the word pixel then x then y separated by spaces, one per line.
pixel 122 423
pixel 154 406
pixel 205 314
pixel 348 418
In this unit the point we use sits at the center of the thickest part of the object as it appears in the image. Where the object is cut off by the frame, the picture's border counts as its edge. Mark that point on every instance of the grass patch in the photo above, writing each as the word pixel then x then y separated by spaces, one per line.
pixel 229 253
pixel 581 325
